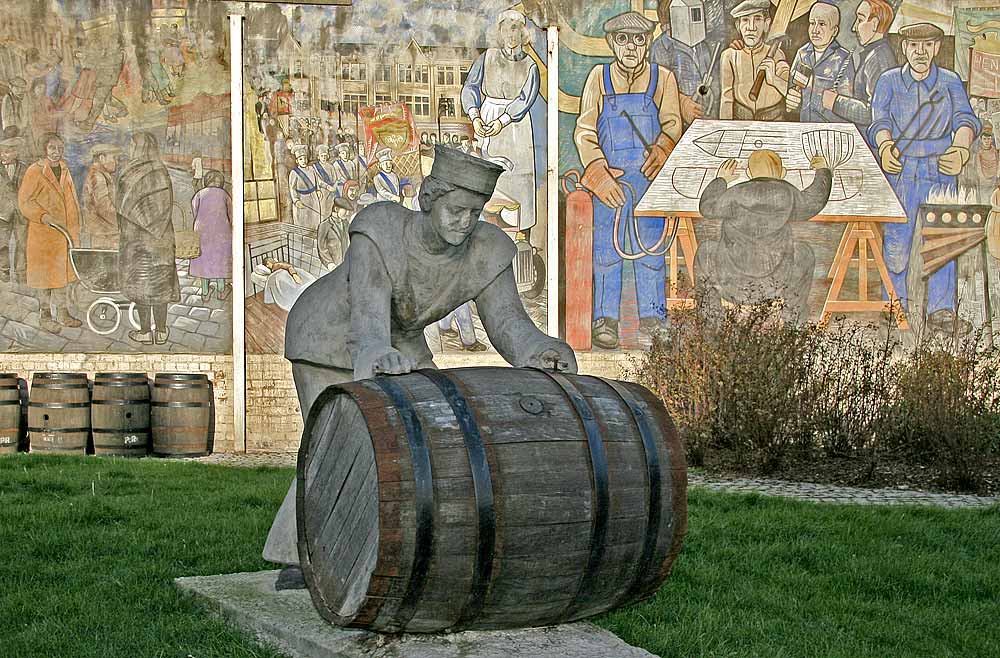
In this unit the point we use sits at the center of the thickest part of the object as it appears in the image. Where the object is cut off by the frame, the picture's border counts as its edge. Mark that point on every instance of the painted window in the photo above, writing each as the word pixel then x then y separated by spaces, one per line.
pixel 419 105
pixel 353 102
pixel 447 75
pixel 354 71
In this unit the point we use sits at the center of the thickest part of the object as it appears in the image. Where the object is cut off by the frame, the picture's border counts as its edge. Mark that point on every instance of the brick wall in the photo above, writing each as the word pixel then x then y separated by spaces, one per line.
pixel 273 418
pixel 219 369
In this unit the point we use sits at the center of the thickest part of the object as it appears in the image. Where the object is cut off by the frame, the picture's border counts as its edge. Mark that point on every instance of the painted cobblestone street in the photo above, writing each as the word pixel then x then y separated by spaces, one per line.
pixel 818 493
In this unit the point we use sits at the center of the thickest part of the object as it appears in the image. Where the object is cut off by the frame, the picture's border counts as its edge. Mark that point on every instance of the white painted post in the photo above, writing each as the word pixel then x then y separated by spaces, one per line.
pixel 239 387
pixel 552 157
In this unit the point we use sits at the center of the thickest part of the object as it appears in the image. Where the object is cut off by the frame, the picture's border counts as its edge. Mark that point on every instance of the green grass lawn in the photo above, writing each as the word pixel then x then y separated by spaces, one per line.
pixel 90 548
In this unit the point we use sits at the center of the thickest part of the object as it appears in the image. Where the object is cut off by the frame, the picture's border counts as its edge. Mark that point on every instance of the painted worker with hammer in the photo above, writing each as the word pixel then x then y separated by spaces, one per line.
pixel 923 127
pixel 629 123
pixel 823 65
pixel 744 96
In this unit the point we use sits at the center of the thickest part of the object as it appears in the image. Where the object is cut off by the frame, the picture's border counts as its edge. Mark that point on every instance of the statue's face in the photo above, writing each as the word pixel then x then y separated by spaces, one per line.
pixel 8 155
pixel 455 215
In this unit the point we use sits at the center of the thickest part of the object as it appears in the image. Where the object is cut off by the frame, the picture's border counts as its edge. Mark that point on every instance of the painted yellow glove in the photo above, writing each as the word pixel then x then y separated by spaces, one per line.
pixel 952 161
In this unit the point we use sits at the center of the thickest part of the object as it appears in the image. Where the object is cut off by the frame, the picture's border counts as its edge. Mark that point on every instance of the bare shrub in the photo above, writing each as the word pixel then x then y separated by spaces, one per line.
pixel 767 392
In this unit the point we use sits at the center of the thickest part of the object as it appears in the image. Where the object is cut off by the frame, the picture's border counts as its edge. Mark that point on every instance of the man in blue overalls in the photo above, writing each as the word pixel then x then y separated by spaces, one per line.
pixel 629 122
pixel 923 126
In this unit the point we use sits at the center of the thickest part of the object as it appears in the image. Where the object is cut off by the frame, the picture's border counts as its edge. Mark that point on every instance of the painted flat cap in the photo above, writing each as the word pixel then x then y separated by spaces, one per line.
pixel 748 7
pixel 921 32
pixel 464 170
pixel 105 149
pixel 630 22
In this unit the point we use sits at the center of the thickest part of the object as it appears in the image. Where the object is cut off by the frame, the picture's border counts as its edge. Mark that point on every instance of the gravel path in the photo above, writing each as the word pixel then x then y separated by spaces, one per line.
pixel 819 493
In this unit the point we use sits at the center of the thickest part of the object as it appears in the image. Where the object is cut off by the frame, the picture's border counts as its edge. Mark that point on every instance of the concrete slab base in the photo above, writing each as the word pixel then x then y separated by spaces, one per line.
pixel 288 621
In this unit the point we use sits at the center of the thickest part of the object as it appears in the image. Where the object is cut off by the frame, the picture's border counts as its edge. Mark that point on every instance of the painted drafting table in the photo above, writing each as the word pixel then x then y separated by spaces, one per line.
pixel 861 195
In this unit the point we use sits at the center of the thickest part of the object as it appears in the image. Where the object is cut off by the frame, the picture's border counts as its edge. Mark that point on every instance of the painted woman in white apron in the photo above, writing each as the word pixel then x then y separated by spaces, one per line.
pixel 501 88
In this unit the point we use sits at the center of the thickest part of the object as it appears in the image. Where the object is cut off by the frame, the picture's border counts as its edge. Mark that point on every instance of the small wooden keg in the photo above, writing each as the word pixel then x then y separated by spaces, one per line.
pixel 486 498
pixel 59 413
pixel 181 414
pixel 10 413
pixel 120 414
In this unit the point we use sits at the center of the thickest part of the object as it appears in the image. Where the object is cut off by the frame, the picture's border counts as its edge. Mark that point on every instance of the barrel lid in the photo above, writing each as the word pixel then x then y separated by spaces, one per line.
pixel 181 376
pixel 120 375
pixel 60 375
pixel 8 375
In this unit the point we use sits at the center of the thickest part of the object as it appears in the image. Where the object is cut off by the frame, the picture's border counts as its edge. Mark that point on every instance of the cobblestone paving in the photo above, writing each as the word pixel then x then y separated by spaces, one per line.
pixel 818 493
pixel 828 493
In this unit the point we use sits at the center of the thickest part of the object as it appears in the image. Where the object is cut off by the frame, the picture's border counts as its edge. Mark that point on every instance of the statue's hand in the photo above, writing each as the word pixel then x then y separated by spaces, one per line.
pixel 554 355
pixel 385 362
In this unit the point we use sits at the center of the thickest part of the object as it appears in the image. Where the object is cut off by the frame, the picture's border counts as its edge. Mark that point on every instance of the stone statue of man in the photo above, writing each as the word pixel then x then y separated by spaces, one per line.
pixel 403 271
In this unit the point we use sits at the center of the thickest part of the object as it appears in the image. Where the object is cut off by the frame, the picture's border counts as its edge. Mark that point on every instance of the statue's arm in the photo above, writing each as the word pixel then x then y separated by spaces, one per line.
pixel 512 332
pixel 370 291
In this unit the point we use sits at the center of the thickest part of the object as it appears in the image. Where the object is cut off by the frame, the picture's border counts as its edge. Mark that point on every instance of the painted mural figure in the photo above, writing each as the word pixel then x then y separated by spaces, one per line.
pixel 404 271
pixel 100 192
pixel 15 108
pixel 466 333
pixel 686 53
pixel 328 182
pixel 740 65
pixel 331 238
pixel 213 222
pixel 146 253
pixel 502 86
pixel 980 175
pixel 626 105
pixel 387 185
pixel 825 62
pixel 48 196
pixel 923 127
pixel 13 225
pixel 304 188
pixel 46 117
pixel 348 166
pixel 876 56
pixel 756 253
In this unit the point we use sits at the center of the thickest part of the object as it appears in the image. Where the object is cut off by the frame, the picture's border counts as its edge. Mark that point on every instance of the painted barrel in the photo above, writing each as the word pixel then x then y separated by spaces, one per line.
pixel 486 498
pixel 119 414
pixel 10 413
pixel 181 411
pixel 59 413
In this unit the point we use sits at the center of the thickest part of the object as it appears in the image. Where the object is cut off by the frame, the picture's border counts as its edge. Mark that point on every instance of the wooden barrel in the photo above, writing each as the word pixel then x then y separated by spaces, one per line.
pixel 10 413
pixel 486 498
pixel 120 414
pixel 181 412
pixel 59 412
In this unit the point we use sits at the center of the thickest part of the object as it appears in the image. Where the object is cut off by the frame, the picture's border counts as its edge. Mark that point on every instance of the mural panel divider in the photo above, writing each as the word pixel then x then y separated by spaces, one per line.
pixel 552 171
pixel 239 282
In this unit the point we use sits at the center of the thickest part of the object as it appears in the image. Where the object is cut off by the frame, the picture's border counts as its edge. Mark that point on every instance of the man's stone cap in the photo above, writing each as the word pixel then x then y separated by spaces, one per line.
pixel 631 22
pixel 921 32
pixel 464 170
pixel 748 7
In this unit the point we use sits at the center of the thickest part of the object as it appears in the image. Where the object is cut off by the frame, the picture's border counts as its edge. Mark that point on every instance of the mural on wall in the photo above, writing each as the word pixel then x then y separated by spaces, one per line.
pixel 836 154
pixel 344 106
pixel 115 208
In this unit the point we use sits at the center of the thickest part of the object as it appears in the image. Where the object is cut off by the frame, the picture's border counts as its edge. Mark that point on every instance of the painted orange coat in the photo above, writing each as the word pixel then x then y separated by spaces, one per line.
pixel 48 254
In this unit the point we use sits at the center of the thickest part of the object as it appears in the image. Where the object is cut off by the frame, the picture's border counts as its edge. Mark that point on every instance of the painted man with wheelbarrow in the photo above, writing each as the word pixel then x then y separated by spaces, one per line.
pixel 48 196
pixel 629 123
